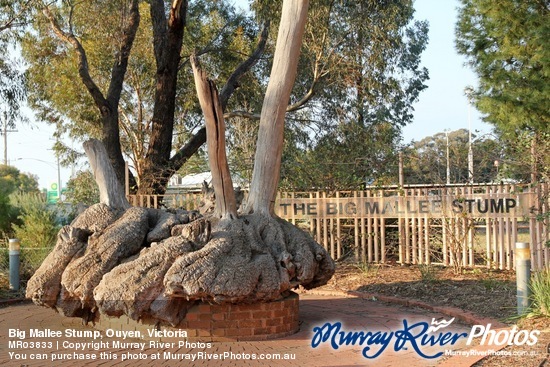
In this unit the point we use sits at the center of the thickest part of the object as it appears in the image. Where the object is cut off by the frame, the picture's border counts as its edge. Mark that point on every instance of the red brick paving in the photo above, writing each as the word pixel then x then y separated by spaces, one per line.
pixel 315 309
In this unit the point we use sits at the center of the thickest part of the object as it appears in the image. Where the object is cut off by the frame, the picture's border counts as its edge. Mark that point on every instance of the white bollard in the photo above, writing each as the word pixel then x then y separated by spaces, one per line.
pixel 523 277
pixel 15 251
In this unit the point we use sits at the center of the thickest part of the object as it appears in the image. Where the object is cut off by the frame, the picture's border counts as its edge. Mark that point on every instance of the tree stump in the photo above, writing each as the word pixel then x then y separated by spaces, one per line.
pixel 118 260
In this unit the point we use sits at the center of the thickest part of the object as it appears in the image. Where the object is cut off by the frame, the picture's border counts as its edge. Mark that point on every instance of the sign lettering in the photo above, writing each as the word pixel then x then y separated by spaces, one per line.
pixel 503 205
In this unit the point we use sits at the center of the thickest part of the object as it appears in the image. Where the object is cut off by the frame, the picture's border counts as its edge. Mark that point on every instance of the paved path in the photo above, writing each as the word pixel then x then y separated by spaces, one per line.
pixel 355 315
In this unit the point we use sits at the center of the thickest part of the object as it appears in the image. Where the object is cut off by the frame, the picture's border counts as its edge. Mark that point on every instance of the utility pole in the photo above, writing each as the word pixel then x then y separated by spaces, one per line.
pixel 470 151
pixel 5 132
pixel 468 91
pixel 448 165
pixel 401 175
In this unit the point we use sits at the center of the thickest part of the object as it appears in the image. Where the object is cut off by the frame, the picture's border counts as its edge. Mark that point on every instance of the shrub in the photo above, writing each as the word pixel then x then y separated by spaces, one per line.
pixel 38 228
pixel 540 292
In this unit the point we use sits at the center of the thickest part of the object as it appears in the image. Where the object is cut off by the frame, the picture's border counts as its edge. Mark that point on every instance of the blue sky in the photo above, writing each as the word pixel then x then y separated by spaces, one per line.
pixel 441 106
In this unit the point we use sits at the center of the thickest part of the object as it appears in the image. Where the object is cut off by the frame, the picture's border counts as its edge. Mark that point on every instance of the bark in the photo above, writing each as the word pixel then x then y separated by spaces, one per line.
pixel 215 258
pixel 161 229
pixel 198 231
pixel 125 290
pixel 250 259
pixel 171 310
pixel 96 218
pixel 120 240
pixel 111 191
pixel 226 206
pixel 168 40
pixel 45 285
pixel 267 162
pixel 104 266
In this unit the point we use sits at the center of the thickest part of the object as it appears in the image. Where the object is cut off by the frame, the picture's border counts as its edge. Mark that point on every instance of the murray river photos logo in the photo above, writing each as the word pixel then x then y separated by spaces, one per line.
pixel 418 336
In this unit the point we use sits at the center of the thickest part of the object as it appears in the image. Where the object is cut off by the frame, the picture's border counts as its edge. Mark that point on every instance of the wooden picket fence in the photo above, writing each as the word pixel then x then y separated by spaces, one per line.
pixel 459 226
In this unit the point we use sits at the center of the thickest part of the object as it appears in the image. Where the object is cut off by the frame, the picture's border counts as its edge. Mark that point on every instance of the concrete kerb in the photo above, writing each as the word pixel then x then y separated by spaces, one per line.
pixel 464 316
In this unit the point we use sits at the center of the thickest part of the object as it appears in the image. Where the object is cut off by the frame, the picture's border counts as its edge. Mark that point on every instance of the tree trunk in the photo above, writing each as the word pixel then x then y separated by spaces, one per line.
pixel 226 206
pixel 111 191
pixel 267 163
pixel 168 40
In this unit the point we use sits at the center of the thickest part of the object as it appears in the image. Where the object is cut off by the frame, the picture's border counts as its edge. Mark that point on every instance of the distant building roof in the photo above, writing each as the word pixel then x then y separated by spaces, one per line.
pixel 194 181
pixel 190 182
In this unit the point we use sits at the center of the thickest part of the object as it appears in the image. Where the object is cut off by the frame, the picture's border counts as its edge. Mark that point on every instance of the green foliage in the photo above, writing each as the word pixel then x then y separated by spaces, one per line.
pixel 13 17
pixel 215 30
pixel 526 156
pixel 359 69
pixel 367 269
pixel 540 289
pixel 82 189
pixel 428 273
pixel 506 42
pixel 12 181
pixel 342 161
pixel 7 215
pixel 359 75
pixel 425 161
pixel 38 228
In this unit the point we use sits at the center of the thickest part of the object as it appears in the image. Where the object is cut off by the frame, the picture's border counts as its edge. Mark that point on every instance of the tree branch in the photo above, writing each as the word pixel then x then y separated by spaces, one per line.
pixel 18 14
pixel 121 63
pixel 233 81
pixel 230 86
pixel 192 146
pixel 158 20
pixel 83 69
pixel 244 114
pixel 111 192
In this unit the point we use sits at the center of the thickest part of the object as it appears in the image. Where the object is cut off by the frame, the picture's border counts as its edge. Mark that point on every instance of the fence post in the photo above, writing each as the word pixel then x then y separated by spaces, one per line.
pixel 14 252
pixel 523 276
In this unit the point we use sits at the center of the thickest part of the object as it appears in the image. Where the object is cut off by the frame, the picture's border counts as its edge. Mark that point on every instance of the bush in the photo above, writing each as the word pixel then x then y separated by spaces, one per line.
pixel 540 292
pixel 82 189
pixel 38 228
pixel 7 217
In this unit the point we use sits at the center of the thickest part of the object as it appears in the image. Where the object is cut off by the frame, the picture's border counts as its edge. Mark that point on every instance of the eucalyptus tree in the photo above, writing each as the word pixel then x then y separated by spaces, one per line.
pixel 360 66
pixel 359 75
pixel 14 15
pixel 100 56
pixel 224 257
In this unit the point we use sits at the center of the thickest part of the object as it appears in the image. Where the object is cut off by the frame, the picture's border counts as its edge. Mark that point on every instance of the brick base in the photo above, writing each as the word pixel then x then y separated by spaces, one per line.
pixel 206 322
